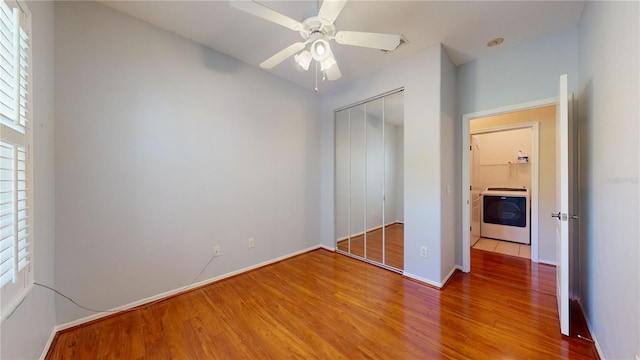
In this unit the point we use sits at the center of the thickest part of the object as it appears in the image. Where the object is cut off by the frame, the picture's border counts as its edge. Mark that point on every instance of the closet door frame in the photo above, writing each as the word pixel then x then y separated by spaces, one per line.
pixel 349 235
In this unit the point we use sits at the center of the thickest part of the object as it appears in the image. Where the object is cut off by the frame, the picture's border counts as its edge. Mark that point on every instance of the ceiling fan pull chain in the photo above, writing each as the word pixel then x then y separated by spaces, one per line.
pixel 316 76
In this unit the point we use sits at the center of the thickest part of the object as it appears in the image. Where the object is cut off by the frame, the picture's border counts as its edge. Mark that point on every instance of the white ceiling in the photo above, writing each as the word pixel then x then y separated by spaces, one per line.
pixel 463 27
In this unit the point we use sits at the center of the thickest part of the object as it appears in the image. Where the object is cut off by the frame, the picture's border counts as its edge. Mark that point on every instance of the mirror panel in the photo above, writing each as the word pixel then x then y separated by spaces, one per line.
pixel 375 180
pixel 369 180
pixel 394 180
pixel 342 180
pixel 357 129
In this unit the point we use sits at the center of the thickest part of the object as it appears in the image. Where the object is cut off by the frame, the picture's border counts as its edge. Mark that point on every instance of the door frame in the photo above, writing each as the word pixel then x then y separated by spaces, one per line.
pixel 535 168
pixel 466 203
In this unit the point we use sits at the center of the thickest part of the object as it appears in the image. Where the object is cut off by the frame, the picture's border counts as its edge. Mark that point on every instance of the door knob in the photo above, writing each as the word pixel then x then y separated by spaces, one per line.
pixel 556 215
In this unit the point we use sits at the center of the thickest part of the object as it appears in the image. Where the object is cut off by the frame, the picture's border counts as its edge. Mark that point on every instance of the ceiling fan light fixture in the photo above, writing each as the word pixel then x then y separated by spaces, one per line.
pixel 317 29
pixel 320 50
pixel 303 60
pixel 328 63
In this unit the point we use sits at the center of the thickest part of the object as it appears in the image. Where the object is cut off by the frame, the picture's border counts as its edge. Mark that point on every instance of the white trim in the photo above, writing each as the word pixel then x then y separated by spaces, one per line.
pixel 593 335
pixel 466 118
pixel 547 262
pixel 333 249
pixel 424 280
pixel 179 290
pixel 45 351
pixel 450 274
pixel 15 302
pixel 440 284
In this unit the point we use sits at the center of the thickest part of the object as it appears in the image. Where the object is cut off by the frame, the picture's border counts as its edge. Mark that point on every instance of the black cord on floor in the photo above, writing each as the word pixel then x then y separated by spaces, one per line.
pixel 144 306
pixel 73 301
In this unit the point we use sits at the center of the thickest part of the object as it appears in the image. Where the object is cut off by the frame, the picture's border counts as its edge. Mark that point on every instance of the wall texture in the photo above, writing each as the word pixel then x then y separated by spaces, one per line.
pixel 450 145
pixel 609 202
pixel 165 149
pixel 519 74
pixel 26 332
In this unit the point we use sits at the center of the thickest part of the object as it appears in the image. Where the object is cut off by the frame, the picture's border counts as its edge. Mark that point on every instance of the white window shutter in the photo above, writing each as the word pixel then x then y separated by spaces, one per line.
pixel 8 268
pixel 9 35
pixel 16 220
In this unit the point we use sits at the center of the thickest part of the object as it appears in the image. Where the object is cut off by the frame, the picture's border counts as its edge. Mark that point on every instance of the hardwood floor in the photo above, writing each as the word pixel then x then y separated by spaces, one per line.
pixel 393 244
pixel 322 305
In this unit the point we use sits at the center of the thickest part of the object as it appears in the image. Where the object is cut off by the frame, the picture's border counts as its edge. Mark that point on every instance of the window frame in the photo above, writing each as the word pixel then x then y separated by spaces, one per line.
pixel 14 292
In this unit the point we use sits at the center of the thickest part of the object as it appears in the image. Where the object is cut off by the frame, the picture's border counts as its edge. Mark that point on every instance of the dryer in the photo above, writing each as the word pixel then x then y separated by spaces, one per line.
pixel 506 214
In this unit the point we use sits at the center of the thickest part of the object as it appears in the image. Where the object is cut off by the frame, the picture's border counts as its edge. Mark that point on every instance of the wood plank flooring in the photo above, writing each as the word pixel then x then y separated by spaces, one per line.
pixel 393 245
pixel 322 305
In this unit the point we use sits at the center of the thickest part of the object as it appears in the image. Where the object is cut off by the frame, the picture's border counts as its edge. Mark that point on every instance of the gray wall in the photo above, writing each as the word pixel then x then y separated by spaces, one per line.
pixel 165 149
pixel 26 332
pixel 518 75
pixel 450 145
pixel 609 132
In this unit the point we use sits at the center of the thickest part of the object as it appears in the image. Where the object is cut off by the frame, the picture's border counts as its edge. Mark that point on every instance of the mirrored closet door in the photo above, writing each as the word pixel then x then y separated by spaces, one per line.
pixel 369 178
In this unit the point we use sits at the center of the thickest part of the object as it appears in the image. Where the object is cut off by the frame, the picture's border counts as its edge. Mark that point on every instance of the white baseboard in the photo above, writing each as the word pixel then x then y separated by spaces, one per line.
pixel 178 291
pixel 330 248
pixel 450 274
pixel 48 344
pixel 547 262
pixel 424 280
pixel 437 284
pixel 593 335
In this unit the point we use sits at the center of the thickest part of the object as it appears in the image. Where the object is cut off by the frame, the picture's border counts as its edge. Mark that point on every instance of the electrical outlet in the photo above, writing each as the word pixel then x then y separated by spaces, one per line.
pixel 216 251
pixel 423 251
pixel 252 243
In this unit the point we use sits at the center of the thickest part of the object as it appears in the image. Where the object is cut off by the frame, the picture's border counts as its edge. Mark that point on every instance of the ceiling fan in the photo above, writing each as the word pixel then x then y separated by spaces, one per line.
pixel 317 29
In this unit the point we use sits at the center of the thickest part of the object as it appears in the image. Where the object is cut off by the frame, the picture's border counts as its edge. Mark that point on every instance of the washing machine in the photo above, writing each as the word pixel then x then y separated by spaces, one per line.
pixel 506 214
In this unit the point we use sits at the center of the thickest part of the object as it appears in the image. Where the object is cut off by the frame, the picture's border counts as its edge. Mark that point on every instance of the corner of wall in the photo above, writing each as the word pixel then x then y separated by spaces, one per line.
pixel 449 191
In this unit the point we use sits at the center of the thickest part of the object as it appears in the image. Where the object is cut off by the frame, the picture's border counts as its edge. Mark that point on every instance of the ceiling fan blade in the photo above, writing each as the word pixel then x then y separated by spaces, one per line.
pixel 264 12
pixel 387 42
pixel 282 55
pixel 330 10
pixel 333 73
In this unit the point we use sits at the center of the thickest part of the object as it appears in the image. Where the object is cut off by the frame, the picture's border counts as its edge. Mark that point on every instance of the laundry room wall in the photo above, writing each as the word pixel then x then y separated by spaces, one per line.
pixel 497 164
pixel 546 119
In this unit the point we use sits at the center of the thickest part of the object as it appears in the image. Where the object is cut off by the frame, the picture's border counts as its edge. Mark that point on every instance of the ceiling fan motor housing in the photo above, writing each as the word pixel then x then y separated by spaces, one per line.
pixel 311 26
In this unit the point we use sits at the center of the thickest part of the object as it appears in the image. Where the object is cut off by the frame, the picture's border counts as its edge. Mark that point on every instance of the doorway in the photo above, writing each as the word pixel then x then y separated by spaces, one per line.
pixel 501 162
pixel 539 116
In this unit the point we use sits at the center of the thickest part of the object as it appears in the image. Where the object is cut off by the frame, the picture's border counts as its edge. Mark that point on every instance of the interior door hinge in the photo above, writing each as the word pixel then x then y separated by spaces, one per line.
pixel 470 148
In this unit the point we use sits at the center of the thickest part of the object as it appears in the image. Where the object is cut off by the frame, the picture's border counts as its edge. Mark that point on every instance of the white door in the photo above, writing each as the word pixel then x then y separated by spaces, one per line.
pixel 562 200
pixel 474 156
